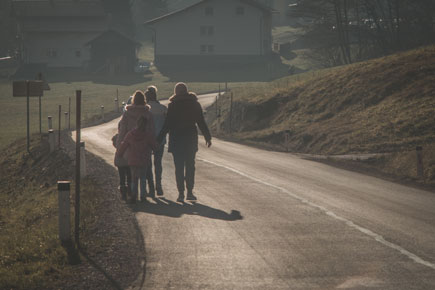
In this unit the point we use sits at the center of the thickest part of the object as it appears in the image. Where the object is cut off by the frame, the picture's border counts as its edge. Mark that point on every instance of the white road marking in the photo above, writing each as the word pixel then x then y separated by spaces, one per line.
pixel 350 223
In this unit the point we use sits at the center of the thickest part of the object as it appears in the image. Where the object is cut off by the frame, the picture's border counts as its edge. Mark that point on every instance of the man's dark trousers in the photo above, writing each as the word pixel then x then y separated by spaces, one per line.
pixel 184 169
pixel 158 156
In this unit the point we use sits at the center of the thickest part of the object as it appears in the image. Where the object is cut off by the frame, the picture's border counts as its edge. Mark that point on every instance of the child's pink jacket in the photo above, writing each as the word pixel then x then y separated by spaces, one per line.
pixel 139 145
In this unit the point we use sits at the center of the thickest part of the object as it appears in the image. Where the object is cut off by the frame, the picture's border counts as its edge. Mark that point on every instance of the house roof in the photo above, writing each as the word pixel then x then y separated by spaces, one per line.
pixel 248 2
pixel 58 8
pixel 112 35
pixel 60 15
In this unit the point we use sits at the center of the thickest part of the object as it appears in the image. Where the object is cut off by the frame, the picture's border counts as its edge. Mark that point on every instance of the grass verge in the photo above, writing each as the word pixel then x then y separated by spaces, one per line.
pixel 31 255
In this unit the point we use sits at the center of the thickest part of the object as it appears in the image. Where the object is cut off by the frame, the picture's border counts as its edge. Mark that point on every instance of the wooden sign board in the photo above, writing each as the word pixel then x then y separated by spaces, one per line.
pixel 19 88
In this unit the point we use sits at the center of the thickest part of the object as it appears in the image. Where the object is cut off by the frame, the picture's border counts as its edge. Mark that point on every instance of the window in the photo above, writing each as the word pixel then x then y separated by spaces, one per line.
pixel 206 30
pixel 203 30
pixel 240 10
pixel 51 52
pixel 206 49
pixel 209 11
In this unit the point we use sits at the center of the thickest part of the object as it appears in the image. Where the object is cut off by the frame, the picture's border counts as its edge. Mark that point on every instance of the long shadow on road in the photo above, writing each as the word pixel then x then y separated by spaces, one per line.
pixel 163 206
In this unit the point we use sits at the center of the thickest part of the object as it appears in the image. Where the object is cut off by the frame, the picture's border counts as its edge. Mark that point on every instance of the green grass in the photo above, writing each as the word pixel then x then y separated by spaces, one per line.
pixel 31 255
pixel 96 93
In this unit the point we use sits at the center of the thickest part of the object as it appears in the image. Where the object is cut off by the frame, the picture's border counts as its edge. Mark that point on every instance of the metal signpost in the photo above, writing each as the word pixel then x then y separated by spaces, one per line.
pixel 77 173
pixel 27 89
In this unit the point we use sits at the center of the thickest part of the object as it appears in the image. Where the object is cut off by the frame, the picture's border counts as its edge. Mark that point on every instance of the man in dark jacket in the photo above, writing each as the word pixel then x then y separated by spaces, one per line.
pixel 184 113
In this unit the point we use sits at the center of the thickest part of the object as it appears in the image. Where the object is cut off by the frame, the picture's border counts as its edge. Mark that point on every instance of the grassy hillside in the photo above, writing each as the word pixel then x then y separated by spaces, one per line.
pixel 382 105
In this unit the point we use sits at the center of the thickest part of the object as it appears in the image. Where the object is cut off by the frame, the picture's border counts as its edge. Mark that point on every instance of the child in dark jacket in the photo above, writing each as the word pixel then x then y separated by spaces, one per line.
pixel 139 144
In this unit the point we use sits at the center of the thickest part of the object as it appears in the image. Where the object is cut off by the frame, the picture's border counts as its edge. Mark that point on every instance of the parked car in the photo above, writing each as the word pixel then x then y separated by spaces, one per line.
pixel 142 67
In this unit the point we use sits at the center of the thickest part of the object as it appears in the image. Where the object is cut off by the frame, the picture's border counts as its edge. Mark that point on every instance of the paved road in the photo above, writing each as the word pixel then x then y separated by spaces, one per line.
pixel 268 220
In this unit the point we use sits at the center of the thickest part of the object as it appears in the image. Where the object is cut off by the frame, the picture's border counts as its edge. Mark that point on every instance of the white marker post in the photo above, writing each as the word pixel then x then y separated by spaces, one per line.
pixel 116 105
pixel 82 159
pixel 50 122
pixel 63 188
pixel 102 113
pixel 66 119
pixel 51 139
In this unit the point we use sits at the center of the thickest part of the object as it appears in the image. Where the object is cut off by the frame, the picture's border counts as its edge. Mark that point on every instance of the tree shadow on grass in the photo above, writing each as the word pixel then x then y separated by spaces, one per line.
pixel 163 206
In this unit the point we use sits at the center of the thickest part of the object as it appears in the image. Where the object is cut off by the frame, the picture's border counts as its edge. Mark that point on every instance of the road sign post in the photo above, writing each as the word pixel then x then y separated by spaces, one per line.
pixel 27 89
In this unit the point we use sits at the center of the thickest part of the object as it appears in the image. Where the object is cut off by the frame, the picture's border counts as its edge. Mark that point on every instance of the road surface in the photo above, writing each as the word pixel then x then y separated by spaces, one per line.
pixel 269 220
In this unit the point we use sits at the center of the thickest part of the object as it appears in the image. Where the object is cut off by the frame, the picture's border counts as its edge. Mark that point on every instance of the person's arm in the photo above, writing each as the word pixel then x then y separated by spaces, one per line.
pixel 122 148
pixel 203 126
pixel 122 129
pixel 165 128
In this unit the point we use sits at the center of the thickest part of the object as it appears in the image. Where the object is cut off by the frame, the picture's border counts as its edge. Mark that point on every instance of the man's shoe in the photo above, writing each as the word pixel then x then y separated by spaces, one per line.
pixel 191 197
pixel 180 197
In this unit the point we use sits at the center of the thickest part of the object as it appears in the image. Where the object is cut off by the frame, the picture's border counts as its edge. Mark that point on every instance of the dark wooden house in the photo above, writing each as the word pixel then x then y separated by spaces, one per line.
pixel 112 52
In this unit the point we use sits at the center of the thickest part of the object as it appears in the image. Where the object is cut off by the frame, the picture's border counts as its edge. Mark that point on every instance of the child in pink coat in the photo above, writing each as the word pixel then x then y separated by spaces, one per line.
pixel 139 144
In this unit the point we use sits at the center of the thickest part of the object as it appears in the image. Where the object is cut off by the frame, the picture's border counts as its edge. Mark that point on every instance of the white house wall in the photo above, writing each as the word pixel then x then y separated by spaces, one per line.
pixel 233 34
pixel 40 48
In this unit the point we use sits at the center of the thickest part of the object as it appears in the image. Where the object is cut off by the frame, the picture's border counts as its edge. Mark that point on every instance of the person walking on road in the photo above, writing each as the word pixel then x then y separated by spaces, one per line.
pixel 123 170
pixel 159 114
pixel 184 113
pixel 138 144
pixel 129 119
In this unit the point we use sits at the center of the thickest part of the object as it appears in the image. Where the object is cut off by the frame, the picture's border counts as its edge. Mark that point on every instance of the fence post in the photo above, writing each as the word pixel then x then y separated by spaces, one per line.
pixel 117 101
pixel 231 112
pixel 69 113
pixel 60 122
pixel 77 169
pixel 82 159
pixel 66 119
pixel 50 122
pixel 63 188
pixel 102 113
pixel 287 140
pixel 420 169
pixel 51 139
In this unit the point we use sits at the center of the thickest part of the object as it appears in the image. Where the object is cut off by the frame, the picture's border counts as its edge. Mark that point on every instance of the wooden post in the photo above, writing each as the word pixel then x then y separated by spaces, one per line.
pixel 287 140
pixel 77 173
pixel 102 113
pixel 39 77
pixel 231 112
pixel 117 101
pixel 82 159
pixel 69 113
pixel 63 188
pixel 420 169
pixel 60 122
pixel 40 115
pixel 28 115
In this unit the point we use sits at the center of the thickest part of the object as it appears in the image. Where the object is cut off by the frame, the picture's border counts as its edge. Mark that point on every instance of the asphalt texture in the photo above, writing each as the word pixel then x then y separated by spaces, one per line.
pixel 270 220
